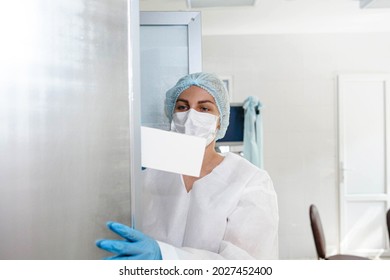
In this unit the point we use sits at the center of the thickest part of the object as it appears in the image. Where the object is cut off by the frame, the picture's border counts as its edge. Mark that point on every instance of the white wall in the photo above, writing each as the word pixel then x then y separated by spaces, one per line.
pixel 294 76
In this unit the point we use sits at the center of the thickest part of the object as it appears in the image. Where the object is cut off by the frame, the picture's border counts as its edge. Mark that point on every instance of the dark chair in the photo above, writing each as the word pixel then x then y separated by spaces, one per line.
pixel 388 222
pixel 319 238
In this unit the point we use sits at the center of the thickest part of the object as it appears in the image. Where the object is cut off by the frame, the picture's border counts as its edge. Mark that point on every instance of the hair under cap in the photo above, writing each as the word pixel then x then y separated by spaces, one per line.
pixel 210 83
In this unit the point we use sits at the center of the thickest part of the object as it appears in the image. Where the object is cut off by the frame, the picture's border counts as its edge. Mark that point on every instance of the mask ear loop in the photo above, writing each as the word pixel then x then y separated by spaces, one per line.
pixel 218 128
pixel 219 123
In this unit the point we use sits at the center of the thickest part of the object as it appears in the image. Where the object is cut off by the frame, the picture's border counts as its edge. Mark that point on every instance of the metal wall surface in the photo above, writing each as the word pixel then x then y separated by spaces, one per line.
pixel 64 126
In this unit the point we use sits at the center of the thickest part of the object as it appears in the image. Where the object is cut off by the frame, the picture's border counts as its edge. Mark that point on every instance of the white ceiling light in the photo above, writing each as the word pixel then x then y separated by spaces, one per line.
pixel 374 3
pixel 219 3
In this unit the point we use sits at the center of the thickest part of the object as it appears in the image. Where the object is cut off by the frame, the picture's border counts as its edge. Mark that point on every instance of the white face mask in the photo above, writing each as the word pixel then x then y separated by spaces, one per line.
pixel 194 123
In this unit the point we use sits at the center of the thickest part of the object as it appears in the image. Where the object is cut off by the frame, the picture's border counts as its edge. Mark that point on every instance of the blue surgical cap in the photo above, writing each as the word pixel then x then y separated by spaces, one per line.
pixel 213 85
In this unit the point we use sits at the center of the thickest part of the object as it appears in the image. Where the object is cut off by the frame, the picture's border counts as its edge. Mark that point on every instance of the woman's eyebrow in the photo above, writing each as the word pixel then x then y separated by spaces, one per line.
pixel 182 100
pixel 206 101
pixel 199 102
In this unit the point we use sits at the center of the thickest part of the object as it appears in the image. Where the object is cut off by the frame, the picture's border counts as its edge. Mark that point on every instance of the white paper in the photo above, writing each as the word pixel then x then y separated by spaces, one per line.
pixel 171 151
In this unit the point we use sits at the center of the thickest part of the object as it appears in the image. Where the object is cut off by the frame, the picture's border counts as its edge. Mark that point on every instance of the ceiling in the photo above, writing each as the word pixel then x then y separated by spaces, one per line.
pixel 283 16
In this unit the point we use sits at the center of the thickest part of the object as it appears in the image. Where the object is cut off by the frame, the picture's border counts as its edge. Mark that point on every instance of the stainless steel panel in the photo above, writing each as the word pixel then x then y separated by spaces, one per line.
pixel 64 126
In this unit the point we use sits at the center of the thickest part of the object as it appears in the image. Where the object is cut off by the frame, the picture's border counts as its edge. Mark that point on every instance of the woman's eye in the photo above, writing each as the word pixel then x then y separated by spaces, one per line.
pixel 204 109
pixel 181 107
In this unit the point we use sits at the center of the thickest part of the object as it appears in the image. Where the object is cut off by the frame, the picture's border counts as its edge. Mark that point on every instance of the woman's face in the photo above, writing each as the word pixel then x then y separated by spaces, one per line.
pixel 198 99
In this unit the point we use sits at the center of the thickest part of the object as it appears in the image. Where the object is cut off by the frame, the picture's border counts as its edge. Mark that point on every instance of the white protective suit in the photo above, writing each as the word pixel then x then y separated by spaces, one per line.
pixel 231 213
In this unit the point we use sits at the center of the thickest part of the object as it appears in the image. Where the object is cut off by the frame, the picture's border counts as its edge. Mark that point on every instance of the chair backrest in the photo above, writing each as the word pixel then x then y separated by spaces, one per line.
pixel 318 232
pixel 388 222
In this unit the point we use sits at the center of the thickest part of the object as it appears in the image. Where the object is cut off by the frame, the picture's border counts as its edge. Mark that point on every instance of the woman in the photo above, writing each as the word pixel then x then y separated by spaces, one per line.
pixel 228 212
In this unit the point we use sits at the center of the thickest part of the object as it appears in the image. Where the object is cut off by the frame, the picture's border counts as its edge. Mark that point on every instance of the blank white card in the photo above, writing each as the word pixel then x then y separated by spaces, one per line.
pixel 171 151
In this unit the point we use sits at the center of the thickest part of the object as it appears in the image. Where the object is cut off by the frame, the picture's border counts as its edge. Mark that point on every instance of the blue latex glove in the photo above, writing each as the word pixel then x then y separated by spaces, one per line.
pixel 136 246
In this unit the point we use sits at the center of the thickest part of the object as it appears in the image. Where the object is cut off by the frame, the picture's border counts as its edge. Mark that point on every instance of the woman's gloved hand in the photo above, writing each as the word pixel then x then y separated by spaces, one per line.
pixel 136 246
